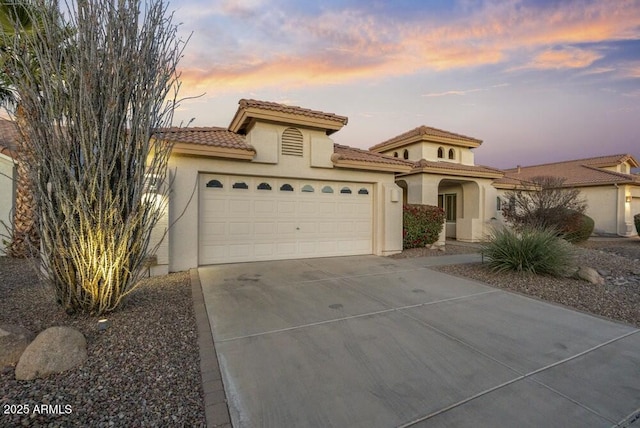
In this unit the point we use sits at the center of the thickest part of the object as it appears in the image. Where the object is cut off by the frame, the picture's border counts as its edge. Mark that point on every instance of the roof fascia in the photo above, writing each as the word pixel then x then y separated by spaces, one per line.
pixel 244 116
pixel 370 166
pixel 212 151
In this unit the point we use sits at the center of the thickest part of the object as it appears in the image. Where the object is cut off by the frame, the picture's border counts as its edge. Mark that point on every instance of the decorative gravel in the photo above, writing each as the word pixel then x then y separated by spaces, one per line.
pixel 142 371
pixel 618 261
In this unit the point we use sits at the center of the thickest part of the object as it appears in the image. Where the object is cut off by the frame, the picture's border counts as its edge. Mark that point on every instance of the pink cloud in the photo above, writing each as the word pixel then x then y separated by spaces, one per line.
pixel 347 45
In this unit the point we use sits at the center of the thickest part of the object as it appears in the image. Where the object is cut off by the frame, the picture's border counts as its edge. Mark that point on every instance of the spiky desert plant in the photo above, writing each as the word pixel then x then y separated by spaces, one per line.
pixel 532 250
pixel 111 81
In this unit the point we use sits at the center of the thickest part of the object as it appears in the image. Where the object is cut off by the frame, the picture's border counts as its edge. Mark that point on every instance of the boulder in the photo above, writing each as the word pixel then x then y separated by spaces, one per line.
pixel 55 350
pixel 14 339
pixel 590 275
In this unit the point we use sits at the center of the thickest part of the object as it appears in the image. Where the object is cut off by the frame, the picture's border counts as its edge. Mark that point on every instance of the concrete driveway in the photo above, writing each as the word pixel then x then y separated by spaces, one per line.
pixel 376 342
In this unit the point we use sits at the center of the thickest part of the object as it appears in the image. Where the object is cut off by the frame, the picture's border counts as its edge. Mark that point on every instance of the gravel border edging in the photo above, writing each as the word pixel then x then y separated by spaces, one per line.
pixel 215 400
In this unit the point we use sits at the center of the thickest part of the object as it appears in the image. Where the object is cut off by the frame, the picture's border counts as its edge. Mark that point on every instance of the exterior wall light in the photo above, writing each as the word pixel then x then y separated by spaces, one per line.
pixel 627 199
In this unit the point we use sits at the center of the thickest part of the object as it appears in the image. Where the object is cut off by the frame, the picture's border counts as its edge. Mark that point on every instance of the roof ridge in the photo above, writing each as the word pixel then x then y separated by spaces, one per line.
pixel 620 155
pixel 614 173
pixel 424 130
pixel 247 102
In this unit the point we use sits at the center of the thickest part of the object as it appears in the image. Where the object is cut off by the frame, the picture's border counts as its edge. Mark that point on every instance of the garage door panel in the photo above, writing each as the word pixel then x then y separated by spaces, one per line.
pixel 263 222
pixel 241 229
pixel 262 228
pixel 265 207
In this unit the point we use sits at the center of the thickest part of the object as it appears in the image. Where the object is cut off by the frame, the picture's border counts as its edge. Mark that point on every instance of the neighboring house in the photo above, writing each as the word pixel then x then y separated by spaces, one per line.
pixel 273 185
pixel 612 192
pixel 8 138
pixel 444 174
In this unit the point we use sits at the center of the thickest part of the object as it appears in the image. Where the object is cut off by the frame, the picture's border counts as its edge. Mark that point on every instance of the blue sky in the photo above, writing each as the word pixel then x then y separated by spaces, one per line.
pixel 537 81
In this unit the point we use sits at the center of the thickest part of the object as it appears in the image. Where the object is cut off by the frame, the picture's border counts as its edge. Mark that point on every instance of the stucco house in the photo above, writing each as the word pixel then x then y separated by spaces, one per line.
pixel 444 174
pixel 8 138
pixel 611 190
pixel 274 185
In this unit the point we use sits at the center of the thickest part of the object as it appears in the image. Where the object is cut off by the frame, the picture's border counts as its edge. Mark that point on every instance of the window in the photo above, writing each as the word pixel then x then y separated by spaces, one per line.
pixel 395 154
pixel 240 185
pixel 286 188
pixel 498 203
pixel 405 154
pixel 327 189
pixel 292 142
pixel 452 154
pixel 215 184
pixel 345 190
pixel 448 202
pixel 440 153
pixel 264 186
pixel 363 191
pixel 307 189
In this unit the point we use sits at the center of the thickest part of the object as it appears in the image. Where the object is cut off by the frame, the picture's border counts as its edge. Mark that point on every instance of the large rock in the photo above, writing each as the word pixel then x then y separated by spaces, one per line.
pixel 53 351
pixel 589 274
pixel 14 339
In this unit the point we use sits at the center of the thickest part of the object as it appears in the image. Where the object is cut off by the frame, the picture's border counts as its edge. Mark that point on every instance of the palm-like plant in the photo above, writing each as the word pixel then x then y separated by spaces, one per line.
pixel 18 20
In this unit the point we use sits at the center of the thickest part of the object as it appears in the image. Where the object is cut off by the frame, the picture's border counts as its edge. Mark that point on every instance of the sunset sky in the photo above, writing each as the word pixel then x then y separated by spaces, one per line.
pixel 537 81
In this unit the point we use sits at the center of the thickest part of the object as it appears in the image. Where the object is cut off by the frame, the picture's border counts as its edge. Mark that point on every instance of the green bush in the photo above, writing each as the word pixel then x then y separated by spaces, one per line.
pixel 538 251
pixel 422 225
pixel 576 227
pixel 636 220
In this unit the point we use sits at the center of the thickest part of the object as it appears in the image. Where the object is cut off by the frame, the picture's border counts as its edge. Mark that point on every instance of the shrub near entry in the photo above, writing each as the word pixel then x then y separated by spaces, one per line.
pixel 576 227
pixel 422 225
pixel 537 251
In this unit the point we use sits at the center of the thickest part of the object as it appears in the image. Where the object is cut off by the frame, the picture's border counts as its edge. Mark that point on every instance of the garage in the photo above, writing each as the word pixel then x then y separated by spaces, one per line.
pixel 247 218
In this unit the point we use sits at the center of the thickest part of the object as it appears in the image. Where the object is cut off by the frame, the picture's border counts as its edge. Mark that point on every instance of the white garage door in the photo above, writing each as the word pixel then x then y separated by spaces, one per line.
pixel 258 218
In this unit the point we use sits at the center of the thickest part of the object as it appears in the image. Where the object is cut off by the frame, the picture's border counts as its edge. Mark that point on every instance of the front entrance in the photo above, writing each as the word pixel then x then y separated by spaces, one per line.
pixel 449 203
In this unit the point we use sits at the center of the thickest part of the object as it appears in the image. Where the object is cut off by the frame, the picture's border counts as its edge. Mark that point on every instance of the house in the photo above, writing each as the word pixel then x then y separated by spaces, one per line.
pixel 8 139
pixel 444 174
pixel 274 185
pixel 611 190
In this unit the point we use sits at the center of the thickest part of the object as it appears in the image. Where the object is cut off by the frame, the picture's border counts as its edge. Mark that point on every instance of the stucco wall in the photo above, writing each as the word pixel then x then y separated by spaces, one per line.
pixel 7 197
pixel 184 198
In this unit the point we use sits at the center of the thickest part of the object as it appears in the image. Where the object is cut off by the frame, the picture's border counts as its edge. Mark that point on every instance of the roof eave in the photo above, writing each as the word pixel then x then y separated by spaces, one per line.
pixel 370 166
pixel 427 139
pixel 244 116
pixel 213 151
pixel 459 173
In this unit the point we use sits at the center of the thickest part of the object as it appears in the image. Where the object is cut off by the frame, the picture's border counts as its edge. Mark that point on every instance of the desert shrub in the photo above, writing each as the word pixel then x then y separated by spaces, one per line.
pixel 636 220
pixel 543 203
pixel 537 251
pixel 576 227
pixel 422 225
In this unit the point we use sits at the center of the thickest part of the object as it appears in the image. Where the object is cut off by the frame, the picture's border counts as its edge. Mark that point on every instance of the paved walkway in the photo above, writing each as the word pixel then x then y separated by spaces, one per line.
pixel 375 342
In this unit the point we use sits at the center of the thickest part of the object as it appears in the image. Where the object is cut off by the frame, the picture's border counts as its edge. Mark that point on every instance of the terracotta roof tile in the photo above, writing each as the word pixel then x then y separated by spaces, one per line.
pixel 9 136
pixel 352 153
pixel 209 136
pixel 267 105
pixel 456 167
pixel 579 172
pixel 426 131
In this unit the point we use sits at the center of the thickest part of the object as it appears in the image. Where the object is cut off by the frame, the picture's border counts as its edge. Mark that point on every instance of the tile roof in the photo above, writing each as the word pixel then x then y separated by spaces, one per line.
pixel 351 153
pixel 208 136
pixel 282 108
pixel 578 172
pixel 451 166
pixel 428 132
pixel 8 137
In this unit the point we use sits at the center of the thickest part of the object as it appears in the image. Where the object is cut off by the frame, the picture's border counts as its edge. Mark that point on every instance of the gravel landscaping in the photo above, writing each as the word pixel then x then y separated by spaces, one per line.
pixel 142 371
pixel 617 261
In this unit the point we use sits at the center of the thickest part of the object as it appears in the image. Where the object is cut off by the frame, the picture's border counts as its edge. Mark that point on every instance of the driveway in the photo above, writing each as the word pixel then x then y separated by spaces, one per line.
pixel 376 342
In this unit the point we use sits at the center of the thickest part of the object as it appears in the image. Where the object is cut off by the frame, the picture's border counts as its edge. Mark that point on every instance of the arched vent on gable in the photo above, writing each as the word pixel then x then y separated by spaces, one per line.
pixel 292 142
